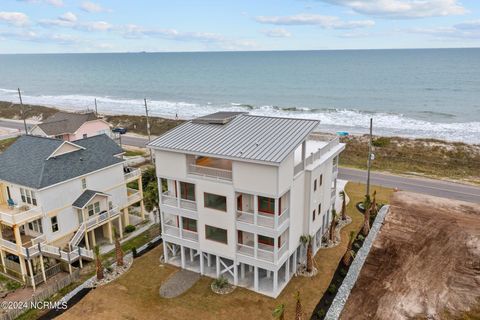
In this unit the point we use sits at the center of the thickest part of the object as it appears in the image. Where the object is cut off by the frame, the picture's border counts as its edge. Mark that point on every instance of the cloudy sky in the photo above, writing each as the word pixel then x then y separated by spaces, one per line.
pixel 41 26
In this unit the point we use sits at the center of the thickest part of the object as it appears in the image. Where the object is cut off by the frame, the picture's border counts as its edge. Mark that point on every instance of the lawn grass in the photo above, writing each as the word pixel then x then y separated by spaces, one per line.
pixel 136 294
pixel 132 153
pixel 5 143
pixel 9 284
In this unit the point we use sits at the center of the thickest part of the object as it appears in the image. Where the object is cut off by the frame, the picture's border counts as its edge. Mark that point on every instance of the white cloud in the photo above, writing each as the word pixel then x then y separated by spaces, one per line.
pixel 326 22
pixel 92 7
pixel 55 3
pixel 68 16
pixel 95 26
pixel 70 20
pixel 14 18
pixel 403 8
pixel 276 33
pixel 453 32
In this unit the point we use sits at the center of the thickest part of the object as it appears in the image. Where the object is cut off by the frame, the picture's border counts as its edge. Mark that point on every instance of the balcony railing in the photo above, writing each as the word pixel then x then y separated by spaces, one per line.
pixel 104 216
pixel 264 252
pixel 132 173
pixel 133 195
pixel 172 201
pixel 263 220
pixel 18 216
pixel 174 231
pixel 210 172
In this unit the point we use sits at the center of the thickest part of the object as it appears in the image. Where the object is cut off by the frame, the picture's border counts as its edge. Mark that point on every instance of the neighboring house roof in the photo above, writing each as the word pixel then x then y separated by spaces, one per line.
pixel 243 137
pixel 85 198
pixel 65 122
pixel 26 162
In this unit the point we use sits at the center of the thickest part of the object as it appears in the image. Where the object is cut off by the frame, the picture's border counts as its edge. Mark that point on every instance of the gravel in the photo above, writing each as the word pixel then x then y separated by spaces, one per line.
pixel 178 283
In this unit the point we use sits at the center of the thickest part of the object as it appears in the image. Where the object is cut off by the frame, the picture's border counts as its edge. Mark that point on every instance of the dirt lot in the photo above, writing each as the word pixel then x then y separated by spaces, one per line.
pixel 425 263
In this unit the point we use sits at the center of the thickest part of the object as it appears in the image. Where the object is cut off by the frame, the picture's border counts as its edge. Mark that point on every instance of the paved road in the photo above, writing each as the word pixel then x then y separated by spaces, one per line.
pixel 420 185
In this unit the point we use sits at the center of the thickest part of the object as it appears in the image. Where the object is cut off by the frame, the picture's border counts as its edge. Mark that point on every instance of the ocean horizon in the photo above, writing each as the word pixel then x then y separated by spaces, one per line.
pixel 426 93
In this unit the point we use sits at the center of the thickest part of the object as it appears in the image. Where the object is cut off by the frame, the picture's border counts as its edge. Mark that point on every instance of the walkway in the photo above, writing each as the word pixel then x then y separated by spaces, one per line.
pixel 178 283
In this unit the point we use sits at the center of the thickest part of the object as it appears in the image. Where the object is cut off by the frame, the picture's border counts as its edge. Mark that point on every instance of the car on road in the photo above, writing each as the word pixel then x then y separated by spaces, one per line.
pixel 120 130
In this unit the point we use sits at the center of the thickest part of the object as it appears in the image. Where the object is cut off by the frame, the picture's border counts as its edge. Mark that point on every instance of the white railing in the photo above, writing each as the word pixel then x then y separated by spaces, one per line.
pixel 298 168
pixel 210 172
pixel 8 244
pixel 40 239
pixel 169 200
pixel 18 217
pixel 190 235
pixel 282 250
pixel 314 156
pixel 245 250
pixel 133 195
pixel 171 230
pixel 188 204
pixel 265 220
pixel 133 173
pixel 77 236
pixel 265 254
pixel 244 216
pixel 101 217
pixel 284 216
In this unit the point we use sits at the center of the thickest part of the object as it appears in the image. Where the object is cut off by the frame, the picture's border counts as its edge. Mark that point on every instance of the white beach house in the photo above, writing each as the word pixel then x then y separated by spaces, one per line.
pixel 58 199
pixel 238 191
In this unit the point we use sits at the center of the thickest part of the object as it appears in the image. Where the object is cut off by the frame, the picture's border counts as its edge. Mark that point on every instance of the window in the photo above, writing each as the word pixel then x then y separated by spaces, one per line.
pixel 80 215
pixel 28 196
pixel 187 191
pixel 265 240
pixel 313 214
pixel 96 206
pixel 110 205
pixel 214 201
pixel 216 234
pixel 84 135
pixel 319 208
pixel 84 183
pixel 189 224
pixel 266 205
pixel 321 179
pixel 315 185
pixel 54 222
pixel 91 210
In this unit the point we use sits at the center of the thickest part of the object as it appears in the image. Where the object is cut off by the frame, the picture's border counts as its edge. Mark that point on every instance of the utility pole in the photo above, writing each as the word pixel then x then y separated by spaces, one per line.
pixel 370 156
pixel 22 111
pixel 96 111
pixel 148 128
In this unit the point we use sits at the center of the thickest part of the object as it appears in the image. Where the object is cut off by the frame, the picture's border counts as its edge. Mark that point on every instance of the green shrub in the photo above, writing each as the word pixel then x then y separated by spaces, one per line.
pixel 356 245
pixel 343 272
pixel 220 282
pixel 321 313
pixel 332 289
pixel 360 237
pixel 129 228
pixel 381 142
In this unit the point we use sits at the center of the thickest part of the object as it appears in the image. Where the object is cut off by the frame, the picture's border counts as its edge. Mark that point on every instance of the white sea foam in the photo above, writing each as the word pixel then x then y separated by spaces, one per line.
pixel 353 121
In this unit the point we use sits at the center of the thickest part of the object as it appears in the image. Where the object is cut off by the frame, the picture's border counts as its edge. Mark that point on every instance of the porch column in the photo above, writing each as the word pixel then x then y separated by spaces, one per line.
pixel 268 274
pixel 235 273
pixel 275 217
pixel 201 263
pixel 165 252
pixel 87 244
pixel 142 205
pixel 23 268
pixel 120 227
pixel 31 274
pixel 2 257
pixel 275 249
pixel 18 241
pixel 287 269
pixel 94 242
pixel 110 238
pixel 180 227
pixel 209 260
pixel 294 264
pixel 182 256
pixel 42 266
pixel 218 266
pixel 255 278
pixel 255 209
pixel 191 255
pixel 242 270
pixel 275 281
pixel 255 245
pixel 178 192
pixel 126 216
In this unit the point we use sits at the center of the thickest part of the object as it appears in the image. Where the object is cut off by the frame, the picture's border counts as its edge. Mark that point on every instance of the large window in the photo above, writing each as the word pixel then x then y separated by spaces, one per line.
pixel 54 222
pixel 216 234
pixel 93 208
pixel 189 224
pixel 266 240
pixel 28 196
pixel 84 183
pixel 266 205
pixel 187 191
pixel 215 201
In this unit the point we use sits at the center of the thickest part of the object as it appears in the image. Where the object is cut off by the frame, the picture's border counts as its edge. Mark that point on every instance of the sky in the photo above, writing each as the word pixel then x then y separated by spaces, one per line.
pixel 62 26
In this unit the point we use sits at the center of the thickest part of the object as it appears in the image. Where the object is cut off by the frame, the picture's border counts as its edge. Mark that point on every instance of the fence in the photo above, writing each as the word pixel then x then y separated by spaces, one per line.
pixel 41 295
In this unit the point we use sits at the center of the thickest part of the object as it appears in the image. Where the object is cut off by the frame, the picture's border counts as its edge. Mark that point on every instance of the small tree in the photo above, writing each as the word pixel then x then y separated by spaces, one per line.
pixel 150 196
pixel 298 307
pixel 367 205
pixel 374 203
pixel 348 254
pixel 306 240
pixel 148 176
pixel 99 265
pixel 333 225
pixel 343 196
pixel 279 312
pixel 118 248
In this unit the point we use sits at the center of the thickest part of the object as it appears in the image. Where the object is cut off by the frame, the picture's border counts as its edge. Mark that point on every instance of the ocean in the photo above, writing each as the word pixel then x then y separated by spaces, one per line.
pixel 431 93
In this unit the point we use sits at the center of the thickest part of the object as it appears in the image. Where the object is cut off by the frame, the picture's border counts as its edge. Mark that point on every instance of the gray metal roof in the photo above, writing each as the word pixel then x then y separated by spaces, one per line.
pixel 85 197
pixel 245 137
pixel 65 122
pixel 26 161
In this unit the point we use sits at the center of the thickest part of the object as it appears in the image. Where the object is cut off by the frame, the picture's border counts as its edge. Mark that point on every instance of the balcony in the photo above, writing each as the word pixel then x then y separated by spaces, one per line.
pixel 172 201
pixel 133 196
pixel 215 168
pixel 131 174
pixel 102 217
pixel 171 230
pixel 18 215
pixel 313 149
pixel 262 219
pixel 263 252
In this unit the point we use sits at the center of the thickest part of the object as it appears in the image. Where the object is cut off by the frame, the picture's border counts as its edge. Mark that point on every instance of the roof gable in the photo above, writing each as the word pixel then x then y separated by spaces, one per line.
pixel 64 148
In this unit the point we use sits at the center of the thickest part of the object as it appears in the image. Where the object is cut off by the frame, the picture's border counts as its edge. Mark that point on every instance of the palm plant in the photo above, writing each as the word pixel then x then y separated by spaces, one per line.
pixel 344 204
pixel 306 240
pixel 99 265
pixel 298 307
pixel 333 225
pixel 348 254
pixel 118 248
pixel 279 312
pixel 366 222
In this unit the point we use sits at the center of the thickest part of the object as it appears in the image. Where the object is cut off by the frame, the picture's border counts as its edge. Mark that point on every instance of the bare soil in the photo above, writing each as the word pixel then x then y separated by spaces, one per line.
pixel 424 264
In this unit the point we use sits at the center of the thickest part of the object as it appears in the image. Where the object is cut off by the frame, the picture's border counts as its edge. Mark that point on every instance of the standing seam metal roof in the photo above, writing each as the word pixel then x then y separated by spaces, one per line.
pixel 245 137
